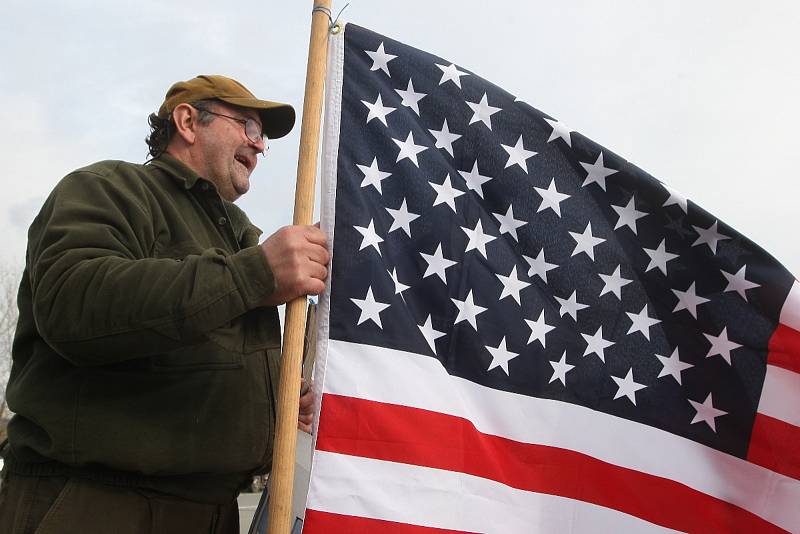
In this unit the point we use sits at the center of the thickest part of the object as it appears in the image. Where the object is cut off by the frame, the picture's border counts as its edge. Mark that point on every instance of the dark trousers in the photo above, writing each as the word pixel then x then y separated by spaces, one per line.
pixel 58 505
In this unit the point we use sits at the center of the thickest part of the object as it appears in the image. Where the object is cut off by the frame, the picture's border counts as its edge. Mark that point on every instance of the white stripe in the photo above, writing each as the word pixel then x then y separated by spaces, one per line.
pixel 417 495
pixel 780 396
pixel 790 313
pixel 403 378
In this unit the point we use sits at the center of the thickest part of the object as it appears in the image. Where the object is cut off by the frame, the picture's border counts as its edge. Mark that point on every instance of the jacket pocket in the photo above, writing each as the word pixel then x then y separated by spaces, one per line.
pixel 204 356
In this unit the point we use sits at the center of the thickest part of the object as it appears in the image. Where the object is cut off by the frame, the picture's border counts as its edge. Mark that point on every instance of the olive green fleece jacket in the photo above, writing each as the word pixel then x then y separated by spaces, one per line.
pixel 142 356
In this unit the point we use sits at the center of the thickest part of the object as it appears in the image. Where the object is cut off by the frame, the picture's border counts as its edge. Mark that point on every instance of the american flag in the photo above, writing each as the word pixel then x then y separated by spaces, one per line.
pixel 526 333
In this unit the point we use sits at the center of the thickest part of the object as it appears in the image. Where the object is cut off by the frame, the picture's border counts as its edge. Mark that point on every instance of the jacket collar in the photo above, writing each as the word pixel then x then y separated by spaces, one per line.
pixel 176 169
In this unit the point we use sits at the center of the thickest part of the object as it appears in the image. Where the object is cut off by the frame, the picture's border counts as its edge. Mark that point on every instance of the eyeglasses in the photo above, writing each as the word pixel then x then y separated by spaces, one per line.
pixel 251 128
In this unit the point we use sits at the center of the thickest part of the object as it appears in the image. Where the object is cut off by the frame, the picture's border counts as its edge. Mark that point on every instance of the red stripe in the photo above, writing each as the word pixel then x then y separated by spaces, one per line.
pixel 421 437
pixel 774 445
pixel 784 348
pixel 317 522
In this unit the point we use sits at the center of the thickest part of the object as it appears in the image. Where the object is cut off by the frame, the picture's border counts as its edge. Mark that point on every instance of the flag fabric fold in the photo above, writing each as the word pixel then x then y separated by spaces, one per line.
pixel 524 332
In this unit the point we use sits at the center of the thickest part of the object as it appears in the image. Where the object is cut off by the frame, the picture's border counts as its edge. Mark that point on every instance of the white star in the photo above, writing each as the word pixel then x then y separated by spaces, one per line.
pixel 706 412
pixel 709 236
pixel 446 193
pixel 570 306
pixel 444 138
pixel 659 257
pixel 373 175
pixel 482 111
pixel 474 179
pixel 508 224
pixel 371 237
pixel 437 264
pixel 408 149
pixel 560 369
pixel 468 310
pixel 539 329
pixel 512 285
pixel 597 172
pixel 595 344
pixel 559 130
pixel 614 282
pixel 551 198
pixel 688 300
pixel 477 239
pixel 370 309
pixel 377 110
pixel 721 345
pixel 673 366
pixel 452 74
pixel 675 198
pixel 585 242
pixel 641 322
pixel 398 287
pixel 380 59
pixel 410 97
pixel 402 218
pixel 501 356
pixel 628 215
pixel 517 155
pixel 737 282
pixel 627 387
pixel 539 266
pixel 430 334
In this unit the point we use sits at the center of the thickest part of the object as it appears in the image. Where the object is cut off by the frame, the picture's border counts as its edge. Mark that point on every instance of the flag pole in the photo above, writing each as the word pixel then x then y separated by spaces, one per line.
pixel 283 457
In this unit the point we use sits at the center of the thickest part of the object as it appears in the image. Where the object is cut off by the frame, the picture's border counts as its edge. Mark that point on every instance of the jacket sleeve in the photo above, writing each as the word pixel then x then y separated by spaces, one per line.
pixel 98 297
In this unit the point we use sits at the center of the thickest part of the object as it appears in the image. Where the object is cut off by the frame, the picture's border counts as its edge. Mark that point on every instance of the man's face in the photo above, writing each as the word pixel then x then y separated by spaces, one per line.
pixel 227 157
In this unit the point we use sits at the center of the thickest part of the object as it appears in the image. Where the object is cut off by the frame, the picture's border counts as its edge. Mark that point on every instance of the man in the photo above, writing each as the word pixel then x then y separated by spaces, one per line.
pixel 146 358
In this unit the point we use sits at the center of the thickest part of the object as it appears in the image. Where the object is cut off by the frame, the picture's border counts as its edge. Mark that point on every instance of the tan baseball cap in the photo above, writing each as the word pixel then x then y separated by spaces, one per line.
pixel 277 118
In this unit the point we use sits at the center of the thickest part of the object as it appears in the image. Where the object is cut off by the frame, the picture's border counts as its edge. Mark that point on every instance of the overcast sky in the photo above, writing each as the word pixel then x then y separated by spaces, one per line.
pixel 702 95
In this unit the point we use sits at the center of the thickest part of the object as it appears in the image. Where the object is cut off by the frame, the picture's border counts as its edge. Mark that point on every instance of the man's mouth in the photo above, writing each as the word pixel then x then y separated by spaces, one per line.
pixel 245 161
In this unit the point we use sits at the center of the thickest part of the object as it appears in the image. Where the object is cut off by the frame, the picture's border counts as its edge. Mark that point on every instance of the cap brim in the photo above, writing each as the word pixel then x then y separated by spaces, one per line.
pixel 277 118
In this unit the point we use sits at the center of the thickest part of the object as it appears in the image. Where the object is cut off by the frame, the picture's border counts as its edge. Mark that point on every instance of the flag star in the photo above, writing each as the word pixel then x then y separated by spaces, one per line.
pixel 706 412
pixel 559 130
pixel 570 306
pixel 402 218
pixel 451 73
pixel 539 266
pixel 597 172
pixel 721 345
pixel 380 59
pixel 475 179
pixel 408 149
pixel 501 356
pixel 373 175
pixel 659 257
pixel 482 111
pixel 437 264
pixel 444 138
pixel 595 344
pixel 627 387
pixel 628 215
pixel 673 366
pixel 410 98
pixel 370 309
pixel 477 239
pixel 377 110
pixel 430 334
pixel 446 193
pixel 737 282
pixel 614 282
pixel 512 285
pixel 551 198
pixel 641 322
pixel 709 236
pixel 539 329
pixel 585 242
pixel 508 224
pixel 371 237
pixel 468 310
pixel 675 198
pixel 517 155
pixel 560 369
pixel 688 300
pixel 398 287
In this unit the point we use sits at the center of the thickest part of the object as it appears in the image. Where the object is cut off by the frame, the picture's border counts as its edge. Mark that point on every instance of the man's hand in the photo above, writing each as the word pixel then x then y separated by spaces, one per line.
pixel 298 257
pixel 305 417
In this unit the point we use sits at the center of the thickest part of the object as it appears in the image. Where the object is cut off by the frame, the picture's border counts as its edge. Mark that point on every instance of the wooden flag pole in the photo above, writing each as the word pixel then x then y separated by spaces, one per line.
pixel 283 457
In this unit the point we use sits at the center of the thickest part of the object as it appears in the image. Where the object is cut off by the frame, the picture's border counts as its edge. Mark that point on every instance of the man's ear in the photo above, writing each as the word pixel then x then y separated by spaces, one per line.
pixel 185 118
